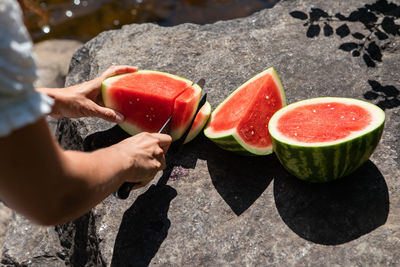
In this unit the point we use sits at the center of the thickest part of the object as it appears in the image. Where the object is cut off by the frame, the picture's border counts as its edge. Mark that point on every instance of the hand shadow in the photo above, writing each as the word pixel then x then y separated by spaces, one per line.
pixel 239 180
pixel 145 224
pixel 336 212
pixel 144 227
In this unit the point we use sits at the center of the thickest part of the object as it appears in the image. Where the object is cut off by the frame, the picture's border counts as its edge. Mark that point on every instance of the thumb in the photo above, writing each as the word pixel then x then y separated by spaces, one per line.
pixel 109 114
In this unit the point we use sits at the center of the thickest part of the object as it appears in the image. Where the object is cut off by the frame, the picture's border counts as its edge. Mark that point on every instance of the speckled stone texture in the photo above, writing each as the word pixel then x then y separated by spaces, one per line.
pixel 228 210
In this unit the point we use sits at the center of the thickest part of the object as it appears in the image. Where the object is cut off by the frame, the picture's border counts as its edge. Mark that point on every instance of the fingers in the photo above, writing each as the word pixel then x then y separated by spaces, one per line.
pixel 114 70
pixel 108 114
pixel 164 141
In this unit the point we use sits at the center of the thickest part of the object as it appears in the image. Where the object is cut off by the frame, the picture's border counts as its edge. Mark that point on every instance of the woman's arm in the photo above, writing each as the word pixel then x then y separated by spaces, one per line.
pixel 52 186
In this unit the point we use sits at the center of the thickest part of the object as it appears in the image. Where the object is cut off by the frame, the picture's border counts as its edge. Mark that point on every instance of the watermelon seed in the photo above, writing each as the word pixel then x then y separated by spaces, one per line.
pixel 342 117
pixel 314 110
pixel 151 108
pixel 266 97
pixel 150 119
pixel 130 102
pixel 353 119
pixel 252 132
pixel 147 116
pixel 137 99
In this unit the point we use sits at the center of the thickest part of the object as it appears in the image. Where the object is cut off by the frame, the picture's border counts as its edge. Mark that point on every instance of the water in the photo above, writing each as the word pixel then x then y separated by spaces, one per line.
pixel 84 19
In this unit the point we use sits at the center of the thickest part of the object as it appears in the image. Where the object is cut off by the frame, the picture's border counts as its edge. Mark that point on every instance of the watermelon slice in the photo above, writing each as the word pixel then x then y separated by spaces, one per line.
pixel 323 139
pixel 199 122
pixel 148 98
pixel 240 122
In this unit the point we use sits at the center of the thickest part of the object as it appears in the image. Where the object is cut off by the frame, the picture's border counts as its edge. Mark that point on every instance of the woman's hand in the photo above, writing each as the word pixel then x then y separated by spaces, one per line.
pixel 84 100
pixel 145 154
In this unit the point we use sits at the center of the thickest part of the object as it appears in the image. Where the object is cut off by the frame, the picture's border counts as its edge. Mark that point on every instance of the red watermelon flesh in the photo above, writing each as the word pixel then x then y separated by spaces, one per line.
pixel 148 98
pixel 249 111
pixel 183 111
pixel 323 122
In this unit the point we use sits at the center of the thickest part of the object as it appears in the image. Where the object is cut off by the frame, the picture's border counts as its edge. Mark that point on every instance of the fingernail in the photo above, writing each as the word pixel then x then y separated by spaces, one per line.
pixel 119 117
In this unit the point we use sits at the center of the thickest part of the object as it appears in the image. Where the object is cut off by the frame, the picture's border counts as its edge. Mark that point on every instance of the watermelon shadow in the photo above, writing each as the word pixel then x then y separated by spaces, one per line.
pixel 336 212
pixel 240 180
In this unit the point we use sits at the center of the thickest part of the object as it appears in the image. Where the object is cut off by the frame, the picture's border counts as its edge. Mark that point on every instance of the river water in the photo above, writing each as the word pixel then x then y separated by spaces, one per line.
pixel 84 19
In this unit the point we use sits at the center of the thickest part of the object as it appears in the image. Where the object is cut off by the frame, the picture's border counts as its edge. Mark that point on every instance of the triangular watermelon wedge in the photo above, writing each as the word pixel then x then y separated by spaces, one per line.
pixel 199 122
pixel 240 122
pixel 147 98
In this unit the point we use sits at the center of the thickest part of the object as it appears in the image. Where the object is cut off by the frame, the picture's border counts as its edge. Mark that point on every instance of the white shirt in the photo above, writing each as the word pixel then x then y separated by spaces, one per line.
pixel 20 104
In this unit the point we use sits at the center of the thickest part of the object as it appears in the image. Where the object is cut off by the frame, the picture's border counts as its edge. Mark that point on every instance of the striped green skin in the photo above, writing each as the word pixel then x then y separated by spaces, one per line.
pixel 230 143
pixel 327 163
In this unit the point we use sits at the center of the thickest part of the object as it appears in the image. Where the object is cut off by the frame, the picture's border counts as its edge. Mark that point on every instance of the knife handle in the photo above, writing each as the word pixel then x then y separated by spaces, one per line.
pixel 124 190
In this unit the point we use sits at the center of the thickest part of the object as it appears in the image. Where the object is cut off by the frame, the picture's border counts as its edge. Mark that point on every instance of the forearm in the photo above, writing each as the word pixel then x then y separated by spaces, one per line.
pixel 52 186
pixel 90 178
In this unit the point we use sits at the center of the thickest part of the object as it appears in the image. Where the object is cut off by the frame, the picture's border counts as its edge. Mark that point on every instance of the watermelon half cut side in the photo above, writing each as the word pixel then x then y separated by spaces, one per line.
pixel 240 122
pixel 148 98
pixel 323 139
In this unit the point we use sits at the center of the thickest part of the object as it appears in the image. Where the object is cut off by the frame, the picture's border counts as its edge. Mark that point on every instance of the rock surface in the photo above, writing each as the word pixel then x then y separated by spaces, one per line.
pixel 222 209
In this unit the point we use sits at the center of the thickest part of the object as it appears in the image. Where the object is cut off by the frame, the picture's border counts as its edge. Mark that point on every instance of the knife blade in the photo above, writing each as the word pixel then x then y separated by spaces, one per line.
pixel 125 189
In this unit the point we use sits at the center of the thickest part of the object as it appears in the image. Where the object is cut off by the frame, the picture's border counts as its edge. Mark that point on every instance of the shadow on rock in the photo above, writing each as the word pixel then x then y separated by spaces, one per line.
pixel 144 227
pixel 104 138
pixel 240 180
pixel 337 212
pixel 388 96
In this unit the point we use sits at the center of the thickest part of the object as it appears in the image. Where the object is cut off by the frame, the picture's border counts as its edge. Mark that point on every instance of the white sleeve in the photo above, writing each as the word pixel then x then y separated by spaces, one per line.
pixel 20 104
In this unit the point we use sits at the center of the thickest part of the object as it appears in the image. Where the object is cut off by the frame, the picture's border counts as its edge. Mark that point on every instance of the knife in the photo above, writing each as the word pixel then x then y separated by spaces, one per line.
pixel 125 189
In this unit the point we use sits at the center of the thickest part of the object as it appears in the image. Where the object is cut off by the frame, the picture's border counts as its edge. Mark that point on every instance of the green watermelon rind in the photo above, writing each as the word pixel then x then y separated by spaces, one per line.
pixel 329 161
pixel 131 128
pixel 230 140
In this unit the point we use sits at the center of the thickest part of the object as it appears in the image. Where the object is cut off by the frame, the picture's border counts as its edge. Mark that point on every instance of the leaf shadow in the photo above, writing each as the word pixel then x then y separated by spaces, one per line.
pixel 336 212
pixel 379 20
pixel 388 96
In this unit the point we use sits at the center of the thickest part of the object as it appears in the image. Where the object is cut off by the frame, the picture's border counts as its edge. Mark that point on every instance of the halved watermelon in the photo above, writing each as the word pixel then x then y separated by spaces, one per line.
pixel 323 139
pixel 199 122
pixel 147 98
pixel 240 122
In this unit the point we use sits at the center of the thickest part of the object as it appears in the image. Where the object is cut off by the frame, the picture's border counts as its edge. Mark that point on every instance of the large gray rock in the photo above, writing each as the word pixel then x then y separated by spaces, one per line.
pixel 222 209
